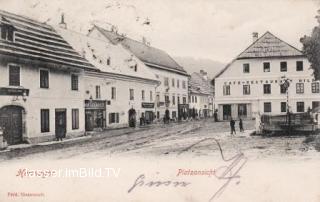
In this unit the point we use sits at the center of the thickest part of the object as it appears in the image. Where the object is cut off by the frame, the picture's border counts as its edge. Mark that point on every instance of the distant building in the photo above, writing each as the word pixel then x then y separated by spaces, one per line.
pixel 172 93
pixel 122 90
pixel 200 95
pixel 253 82
pixel 41 82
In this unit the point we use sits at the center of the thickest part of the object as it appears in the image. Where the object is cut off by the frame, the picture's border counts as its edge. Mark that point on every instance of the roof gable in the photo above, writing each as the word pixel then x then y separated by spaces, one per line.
pixel 148 54
pixel 106 56
pixel 269 45
pixel 200 85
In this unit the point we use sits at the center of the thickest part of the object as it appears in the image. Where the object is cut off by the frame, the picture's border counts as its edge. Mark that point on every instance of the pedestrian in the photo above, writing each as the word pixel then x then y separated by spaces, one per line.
pixel 232 126
pixel 241 125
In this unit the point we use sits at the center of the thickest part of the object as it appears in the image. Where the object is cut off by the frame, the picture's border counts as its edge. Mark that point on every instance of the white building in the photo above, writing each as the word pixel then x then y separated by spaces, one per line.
pixel 41 82
pixel 172 94
pixel 251 84
pixel 200 95
pixel 122 90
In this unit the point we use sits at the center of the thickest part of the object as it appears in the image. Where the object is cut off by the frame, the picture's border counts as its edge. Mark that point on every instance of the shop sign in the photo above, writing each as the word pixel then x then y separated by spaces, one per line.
pixel 147 105
pixel 95 104
pixel 14 91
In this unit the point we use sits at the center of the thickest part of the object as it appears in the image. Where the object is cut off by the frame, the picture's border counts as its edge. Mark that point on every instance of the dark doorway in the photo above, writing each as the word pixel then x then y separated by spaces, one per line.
pixel 226 112
pixel 132 118
pixel 61 123
pixel 11 122
pixel 242 110
pixel 149 117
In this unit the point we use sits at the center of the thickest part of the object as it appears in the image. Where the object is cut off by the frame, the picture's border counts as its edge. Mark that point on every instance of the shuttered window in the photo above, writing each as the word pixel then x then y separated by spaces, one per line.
pixel 75 119
pixel 45 120
pixel 14 75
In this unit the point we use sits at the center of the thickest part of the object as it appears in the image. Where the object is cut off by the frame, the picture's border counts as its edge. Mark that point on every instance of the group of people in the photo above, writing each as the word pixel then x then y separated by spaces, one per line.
pixel 233 126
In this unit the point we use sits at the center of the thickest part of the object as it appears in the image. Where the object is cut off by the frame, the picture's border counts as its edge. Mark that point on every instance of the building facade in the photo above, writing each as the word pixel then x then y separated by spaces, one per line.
pixel 41 82
pixel 254 82
pixel 172 93
pixel 122 90
pixel 201 94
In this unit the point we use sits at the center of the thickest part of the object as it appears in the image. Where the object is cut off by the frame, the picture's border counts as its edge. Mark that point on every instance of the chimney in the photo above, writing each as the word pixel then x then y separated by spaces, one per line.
pixel 255 36
pixel 204 74
pixel 62 24
pixel 144 40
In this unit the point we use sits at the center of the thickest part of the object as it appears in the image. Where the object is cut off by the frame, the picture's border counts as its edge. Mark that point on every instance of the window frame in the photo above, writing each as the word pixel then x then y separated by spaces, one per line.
pixel 44 120
pixel 264 67
pixel 246 68
pixel 131 94
pixel 98 91
pixel 48 79
pixel 264 89
pixel 282 67
pixel 226 90
pixel 281 107
pixel 248 92
pixel 265 108
pixel 75 118
pixel 299 107
pixel 300 88
pixel 299 62
pixel 73 86
pixel 315 87
pixel 14 83
pixel 114 118
pixel 113 93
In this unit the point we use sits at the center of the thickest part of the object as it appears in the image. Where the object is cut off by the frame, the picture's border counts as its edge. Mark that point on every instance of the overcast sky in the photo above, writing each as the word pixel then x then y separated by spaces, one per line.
pixel 213 29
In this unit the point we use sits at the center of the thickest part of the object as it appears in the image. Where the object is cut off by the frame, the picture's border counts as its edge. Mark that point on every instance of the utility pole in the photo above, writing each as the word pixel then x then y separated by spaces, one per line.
pixel 286 83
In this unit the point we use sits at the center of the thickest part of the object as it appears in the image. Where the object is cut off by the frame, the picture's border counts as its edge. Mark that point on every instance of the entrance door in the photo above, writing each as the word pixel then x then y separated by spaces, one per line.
pixel 242 110
pixel 61 123
pixel 226 112
pixel 11 122
pixel 132 118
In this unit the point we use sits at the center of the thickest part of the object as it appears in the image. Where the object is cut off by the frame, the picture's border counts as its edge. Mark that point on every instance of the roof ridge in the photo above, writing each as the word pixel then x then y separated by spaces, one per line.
pixel 259 40
pixel 33 21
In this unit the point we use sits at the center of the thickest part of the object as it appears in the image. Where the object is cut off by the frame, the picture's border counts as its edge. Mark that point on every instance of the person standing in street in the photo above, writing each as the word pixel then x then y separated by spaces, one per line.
pixel 232 126
pixel 241 125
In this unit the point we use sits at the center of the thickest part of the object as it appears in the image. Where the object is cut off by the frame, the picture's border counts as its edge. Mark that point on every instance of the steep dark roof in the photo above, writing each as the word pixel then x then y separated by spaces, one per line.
pixel 151 56
pixel 269 45
pixel 200 85
pixel 38 41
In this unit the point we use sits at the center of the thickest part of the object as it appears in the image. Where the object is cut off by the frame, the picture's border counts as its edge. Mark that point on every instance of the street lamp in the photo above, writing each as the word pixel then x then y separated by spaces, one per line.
pixel 286 84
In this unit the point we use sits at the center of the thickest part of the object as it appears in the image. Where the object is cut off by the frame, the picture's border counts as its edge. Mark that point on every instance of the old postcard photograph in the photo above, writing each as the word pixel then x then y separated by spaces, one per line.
pixel 160 100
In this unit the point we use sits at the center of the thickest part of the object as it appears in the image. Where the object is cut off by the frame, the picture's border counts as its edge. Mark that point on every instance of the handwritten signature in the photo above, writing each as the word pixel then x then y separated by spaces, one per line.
pixel 225 173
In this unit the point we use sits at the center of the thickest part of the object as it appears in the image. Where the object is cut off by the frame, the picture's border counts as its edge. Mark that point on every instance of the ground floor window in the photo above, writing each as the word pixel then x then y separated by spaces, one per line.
pixel 242 110
pixel 75 119
pixel 315 104
pixel 283 107
pixel 113 117
pixel 174 114
pixel 45 120
pixel 267 107
pixel 300 106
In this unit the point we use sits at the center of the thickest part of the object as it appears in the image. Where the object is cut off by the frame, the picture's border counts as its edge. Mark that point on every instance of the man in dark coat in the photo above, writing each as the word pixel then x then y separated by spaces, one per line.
pixel 241 125
pixel 232 126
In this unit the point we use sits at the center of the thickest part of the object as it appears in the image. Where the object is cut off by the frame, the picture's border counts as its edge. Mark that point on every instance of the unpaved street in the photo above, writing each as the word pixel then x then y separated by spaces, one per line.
pixel 172 139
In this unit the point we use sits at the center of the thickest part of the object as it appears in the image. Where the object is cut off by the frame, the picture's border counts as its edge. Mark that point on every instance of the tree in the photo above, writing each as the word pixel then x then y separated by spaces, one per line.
pixel 311 48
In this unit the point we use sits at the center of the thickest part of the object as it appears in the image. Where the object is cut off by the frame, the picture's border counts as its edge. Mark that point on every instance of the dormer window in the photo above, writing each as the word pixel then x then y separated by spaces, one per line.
pixel 6 32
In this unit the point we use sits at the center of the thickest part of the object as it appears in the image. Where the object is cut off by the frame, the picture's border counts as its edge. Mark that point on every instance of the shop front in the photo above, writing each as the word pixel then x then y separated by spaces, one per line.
pixel 95 115
pixel 149 114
